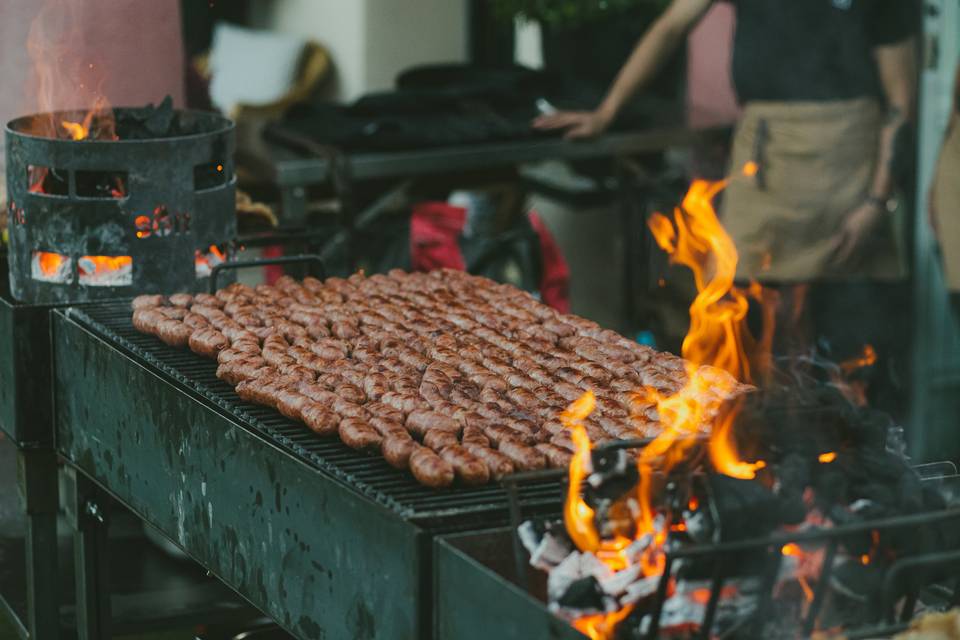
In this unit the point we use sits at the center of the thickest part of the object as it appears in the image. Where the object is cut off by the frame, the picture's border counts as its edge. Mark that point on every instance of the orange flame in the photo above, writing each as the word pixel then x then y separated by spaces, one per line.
pixel 716 357
pixel 717 335
pixel 867 358
pixel 601 626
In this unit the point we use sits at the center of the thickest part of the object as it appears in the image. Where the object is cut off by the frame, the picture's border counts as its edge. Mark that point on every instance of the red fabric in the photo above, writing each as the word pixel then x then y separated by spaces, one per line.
pixel 555 281
pixel 272 272
pixel 435 229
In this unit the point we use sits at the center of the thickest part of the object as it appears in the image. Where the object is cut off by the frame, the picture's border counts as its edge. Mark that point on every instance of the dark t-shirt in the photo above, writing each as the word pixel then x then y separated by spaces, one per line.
pixel 793 50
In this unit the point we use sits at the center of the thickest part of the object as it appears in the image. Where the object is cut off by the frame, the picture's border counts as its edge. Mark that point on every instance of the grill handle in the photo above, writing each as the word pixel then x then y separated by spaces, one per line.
pixel 267 262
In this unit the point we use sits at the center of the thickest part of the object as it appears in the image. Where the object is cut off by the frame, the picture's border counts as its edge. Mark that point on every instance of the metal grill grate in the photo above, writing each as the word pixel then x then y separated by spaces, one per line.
pixel 447 509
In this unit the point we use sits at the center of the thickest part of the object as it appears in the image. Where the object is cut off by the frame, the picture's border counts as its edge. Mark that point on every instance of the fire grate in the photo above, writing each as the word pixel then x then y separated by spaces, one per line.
pixel 97 218
pixel 446 509
pixel 904 581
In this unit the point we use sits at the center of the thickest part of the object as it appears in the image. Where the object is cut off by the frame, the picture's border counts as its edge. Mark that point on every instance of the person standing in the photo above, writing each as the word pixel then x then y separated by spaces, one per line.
pixel 827 89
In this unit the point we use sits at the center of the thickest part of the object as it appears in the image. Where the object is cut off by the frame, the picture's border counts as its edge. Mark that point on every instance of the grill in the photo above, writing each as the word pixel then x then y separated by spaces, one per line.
pixel 329 542
pixel 369 475
pixel 490 587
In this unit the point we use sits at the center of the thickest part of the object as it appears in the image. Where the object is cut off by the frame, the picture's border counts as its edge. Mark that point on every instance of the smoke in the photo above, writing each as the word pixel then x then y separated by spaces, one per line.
pixel 63 54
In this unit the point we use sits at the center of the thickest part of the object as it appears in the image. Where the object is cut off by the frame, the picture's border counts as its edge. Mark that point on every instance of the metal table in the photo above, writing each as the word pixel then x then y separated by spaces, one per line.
pixel 294 173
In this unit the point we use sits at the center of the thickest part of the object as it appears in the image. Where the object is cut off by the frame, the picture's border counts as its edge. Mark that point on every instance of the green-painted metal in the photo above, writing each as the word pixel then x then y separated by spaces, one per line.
pixel 318 557
pixel 24 370
pixel 477 597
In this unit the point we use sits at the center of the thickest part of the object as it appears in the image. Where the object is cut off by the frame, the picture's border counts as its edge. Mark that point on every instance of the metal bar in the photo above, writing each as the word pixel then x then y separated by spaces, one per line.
pixel 88 517
pixel 775 559
pixel 662 585
pixel 37 475
pixel 520 565
pixel 715 588
pixel 894 576
pixel 909 604
pixel 823 585
pixel 290 169
pixel 819 535
pixel 266 262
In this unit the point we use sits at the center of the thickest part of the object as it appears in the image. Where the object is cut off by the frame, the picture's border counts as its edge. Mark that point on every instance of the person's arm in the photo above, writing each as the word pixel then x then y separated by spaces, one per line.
pixel 896 66
pixel 655 48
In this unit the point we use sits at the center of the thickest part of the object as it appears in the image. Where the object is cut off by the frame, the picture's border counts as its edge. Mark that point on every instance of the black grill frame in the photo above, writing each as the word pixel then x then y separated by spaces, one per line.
pixel 458 508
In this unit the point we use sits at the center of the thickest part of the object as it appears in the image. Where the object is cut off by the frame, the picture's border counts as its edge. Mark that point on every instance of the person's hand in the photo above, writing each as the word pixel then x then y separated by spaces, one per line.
pixel 579 124
pixel 859 225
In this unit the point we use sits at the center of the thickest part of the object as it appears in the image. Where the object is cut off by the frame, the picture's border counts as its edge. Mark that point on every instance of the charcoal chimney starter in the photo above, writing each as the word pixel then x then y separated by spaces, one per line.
pixel 98 219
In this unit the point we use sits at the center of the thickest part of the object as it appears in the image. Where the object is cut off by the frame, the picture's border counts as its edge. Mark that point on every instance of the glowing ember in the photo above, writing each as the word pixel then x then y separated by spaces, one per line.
pixel 105 271
pixel 51 267
pixel 602 625
pixel 867 359
pixel 205 261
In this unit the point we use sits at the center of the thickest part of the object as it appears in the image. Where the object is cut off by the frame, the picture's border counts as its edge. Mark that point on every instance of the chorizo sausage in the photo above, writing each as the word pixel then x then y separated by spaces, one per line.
pixel 430 469
pixel 469 469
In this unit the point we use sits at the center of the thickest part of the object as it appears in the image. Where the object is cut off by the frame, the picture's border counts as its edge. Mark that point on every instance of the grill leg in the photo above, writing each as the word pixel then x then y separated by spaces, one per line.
pixel 88 516
pixel 37 475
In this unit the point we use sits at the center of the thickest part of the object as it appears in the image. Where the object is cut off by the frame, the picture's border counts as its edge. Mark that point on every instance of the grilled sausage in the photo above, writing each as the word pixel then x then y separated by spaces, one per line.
pixel 290 403
pixel 557 458
pixel 147 302
pixel 524 458
pixel 389 428
pixel 146 320
pixel 469 469
pixel 498 464
pixel 318 418
pixel 397 451
pixel 351 393
pixel 419 422
pixel 358 434
pixel 173 332
pixel 437 439
pixel 207 342
pixel 430 469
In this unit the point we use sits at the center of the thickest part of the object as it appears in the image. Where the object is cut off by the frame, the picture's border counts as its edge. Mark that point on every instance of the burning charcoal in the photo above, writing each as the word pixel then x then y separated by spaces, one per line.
pixel 147 122
pixel 614 475
pixel 618 583
pixel 574 567
pixel 547 544
pixel 857 581
pixel 794 476
pixel 639 590
pixel 746 508
pixel 584 594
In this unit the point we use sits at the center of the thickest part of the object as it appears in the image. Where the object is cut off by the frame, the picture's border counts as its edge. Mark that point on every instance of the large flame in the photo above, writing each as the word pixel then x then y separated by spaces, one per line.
pixel 716 352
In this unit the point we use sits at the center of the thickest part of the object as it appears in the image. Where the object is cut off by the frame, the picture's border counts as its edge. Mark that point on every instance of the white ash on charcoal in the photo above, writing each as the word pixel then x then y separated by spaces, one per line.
pixel 547 543
pixel 683 612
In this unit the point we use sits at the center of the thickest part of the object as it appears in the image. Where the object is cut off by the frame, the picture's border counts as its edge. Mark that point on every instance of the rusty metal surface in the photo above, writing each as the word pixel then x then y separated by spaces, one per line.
pixel 318 557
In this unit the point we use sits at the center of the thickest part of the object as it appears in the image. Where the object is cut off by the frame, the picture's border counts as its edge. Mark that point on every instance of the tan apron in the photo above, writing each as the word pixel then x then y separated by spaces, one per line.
pixel 816 163
pixel 946 205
